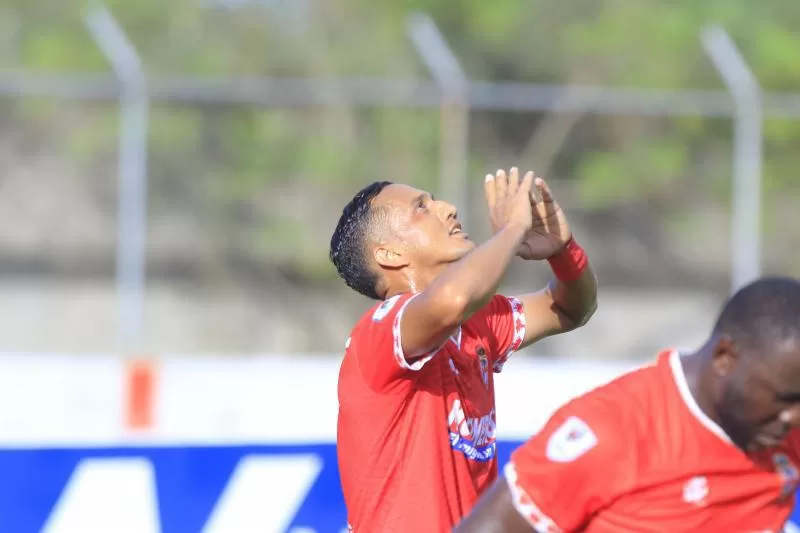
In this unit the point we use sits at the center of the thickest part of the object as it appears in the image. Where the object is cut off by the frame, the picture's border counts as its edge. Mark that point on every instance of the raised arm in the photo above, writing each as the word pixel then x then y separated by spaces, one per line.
pixel 567 302
pixel 570 299
pixel 467 285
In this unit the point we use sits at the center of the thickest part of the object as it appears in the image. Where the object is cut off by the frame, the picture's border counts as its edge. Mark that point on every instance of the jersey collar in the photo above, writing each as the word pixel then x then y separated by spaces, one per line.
pixel 686 395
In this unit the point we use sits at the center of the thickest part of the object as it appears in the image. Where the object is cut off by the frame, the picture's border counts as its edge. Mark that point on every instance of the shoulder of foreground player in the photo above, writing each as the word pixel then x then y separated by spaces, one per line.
pixel 622 407
pixel 613 405
pixel 640 383
pixel 603 419
pixel 582 459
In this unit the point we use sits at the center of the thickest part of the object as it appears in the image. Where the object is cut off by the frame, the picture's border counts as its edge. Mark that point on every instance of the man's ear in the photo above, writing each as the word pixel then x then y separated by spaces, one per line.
pixel 390 257
pixel 724 355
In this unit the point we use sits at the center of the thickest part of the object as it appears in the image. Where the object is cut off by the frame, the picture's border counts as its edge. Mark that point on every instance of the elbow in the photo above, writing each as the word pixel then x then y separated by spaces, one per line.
pixel 587 313
pixel 575 316
pixel 576 306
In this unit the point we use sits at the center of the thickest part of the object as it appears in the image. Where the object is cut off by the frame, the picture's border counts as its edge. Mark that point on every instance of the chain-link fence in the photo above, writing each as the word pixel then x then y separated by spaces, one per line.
pixel 246 175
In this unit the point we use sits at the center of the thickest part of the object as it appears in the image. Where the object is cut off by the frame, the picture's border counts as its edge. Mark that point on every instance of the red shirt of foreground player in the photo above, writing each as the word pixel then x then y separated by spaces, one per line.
pixel 704 441
pixel 416 428
pixel 639 455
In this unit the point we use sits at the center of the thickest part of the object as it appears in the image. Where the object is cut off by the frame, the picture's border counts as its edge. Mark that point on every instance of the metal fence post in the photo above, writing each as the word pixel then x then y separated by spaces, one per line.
pixel 747 157
pixel 132 191
pixel 445 68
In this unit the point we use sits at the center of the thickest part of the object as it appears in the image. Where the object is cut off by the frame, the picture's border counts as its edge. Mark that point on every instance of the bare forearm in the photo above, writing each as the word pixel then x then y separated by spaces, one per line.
pixel 473 280
pixel 577 300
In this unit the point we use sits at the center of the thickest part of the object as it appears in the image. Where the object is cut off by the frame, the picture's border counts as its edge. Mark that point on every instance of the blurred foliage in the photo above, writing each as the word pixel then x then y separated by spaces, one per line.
pixel 233 153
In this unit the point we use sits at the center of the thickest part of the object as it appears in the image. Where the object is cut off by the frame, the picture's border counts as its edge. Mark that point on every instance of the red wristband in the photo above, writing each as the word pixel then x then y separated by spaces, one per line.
pixel 569 264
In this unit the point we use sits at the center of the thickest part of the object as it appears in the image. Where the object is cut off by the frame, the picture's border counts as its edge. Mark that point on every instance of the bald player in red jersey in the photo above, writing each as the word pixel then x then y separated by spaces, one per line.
pixel 416 429
pixel 702 441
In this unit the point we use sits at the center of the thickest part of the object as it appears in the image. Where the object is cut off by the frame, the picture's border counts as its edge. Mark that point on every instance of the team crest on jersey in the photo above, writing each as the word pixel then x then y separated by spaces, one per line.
pixel 383 309
pixel 788 472
pixel 483 359
pixel 696 490
pixel 571 440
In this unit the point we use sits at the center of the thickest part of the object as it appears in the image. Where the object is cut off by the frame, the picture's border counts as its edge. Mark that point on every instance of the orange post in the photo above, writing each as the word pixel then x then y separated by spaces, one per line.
pixel 140 394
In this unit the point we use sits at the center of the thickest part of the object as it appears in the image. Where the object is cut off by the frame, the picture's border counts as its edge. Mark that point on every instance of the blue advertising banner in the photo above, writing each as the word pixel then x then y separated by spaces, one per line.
pixel 170 489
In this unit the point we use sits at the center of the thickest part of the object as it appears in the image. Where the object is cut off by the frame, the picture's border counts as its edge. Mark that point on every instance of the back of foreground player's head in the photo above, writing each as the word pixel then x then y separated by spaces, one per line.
pixel 348 250
pixel 762 315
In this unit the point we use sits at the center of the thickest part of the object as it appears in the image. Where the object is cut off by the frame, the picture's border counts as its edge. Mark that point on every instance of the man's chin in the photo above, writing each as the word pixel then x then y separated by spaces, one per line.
pixel 466 247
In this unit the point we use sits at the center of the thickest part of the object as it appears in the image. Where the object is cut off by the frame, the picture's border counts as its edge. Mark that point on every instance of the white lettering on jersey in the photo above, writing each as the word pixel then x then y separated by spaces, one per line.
pixel 695 490
pixel 571 440
pixel 480 431
pixel 383 310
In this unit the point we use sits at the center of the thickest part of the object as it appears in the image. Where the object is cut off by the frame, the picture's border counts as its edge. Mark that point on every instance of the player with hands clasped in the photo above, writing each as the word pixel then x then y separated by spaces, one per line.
pixel 416 426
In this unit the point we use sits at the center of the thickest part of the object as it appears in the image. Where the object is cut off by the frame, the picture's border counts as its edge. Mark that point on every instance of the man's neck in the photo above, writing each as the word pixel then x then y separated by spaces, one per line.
pixel 694 366
pixel 410 281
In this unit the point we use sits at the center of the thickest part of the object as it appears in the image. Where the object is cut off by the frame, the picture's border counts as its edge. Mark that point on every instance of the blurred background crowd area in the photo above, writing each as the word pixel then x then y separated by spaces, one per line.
pixel 244 191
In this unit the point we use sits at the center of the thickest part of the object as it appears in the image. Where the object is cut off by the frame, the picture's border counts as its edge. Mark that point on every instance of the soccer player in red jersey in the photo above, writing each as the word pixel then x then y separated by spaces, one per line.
pixel 416 426
pixel 704 441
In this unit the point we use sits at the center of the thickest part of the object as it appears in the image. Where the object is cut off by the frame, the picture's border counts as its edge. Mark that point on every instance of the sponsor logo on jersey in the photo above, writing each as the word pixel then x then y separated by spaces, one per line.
pixel 384 309
pixel 571 440
pixel 696 490
pixel 474 437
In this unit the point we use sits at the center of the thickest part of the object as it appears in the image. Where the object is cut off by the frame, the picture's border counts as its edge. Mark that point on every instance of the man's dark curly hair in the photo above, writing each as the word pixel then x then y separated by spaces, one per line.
pixel 349 241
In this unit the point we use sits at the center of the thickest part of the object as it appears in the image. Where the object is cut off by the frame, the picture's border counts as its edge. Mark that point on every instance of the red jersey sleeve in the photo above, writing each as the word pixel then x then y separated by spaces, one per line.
pixel 378 347
pixel 506 321
pixel 579 463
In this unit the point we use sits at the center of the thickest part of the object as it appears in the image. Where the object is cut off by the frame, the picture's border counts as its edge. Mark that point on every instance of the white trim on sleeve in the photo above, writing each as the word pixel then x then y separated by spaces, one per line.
pixel 519 325
pixel 399 356
pixel 525 505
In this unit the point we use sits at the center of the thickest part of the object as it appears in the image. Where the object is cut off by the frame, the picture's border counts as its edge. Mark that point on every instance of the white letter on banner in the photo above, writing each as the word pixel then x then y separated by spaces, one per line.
pixel 264 494
pixel 107 495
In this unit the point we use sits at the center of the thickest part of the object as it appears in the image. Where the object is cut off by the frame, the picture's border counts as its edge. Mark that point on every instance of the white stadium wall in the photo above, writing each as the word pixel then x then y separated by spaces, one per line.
pixel 211 444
